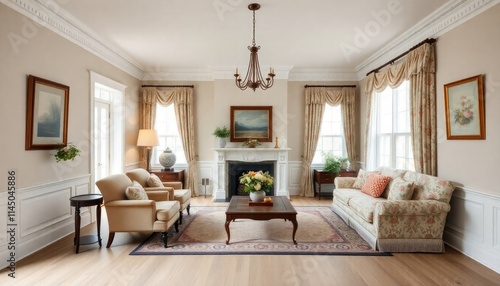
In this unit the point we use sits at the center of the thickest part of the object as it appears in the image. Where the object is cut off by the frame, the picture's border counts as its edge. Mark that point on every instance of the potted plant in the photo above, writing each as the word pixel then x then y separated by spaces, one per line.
pixel 257 184
pixel 222 133
pixel 251 143
pixel 333 164
pixel 68 152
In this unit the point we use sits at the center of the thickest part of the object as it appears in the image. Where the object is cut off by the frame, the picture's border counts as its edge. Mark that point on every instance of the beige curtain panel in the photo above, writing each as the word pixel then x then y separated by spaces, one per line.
pixel 316 98
pixel 419 67
pixel 182 98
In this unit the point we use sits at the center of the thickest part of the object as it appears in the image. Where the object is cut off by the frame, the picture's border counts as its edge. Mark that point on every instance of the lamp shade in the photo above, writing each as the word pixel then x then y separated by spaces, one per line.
pixel 148 138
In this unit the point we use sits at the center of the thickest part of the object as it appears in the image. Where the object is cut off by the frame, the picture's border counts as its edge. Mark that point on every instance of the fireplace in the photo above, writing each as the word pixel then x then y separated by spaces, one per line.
pixel 254 159
pixel 237 168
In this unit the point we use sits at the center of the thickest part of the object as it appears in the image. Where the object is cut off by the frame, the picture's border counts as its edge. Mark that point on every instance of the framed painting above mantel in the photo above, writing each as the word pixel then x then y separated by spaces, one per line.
pixel 46 114
pixel 251 122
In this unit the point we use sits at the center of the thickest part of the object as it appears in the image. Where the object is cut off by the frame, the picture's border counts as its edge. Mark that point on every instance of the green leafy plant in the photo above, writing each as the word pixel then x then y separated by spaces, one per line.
pixel 222 132
pixel 257 181
pixel 332 163
pixel 251 142
pixel 69 152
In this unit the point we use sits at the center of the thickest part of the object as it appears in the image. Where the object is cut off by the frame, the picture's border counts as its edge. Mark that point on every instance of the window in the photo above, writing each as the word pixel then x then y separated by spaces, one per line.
pixel 168 135
pixel 391 110
pixel 331 134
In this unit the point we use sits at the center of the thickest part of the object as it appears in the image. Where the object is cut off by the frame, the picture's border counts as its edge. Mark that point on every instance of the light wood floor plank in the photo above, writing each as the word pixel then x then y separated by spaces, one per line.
pixel 58 265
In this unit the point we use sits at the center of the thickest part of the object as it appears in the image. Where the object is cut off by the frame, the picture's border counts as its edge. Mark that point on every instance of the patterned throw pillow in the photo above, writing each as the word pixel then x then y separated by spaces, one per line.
pixel 361 179
pixel 375 185
pixel 154 181
pixel 136 192
pixel 400 190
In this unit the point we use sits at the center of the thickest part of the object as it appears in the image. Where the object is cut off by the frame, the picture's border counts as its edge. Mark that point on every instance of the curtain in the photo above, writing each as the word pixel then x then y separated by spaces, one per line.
pixel 419 67
pixel 316 98
pixel 182 98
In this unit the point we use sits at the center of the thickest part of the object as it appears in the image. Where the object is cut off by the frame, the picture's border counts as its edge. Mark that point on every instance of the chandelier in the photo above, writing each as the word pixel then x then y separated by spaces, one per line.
pixel 254 78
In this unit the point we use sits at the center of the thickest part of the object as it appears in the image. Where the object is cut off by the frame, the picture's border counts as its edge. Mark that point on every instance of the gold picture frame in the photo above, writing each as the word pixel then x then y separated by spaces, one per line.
pixel 46 114
pixel 251 122
pixel 464 104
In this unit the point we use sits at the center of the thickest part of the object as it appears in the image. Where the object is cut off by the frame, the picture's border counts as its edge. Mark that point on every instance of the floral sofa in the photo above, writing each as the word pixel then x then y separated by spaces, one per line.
pixel 413 222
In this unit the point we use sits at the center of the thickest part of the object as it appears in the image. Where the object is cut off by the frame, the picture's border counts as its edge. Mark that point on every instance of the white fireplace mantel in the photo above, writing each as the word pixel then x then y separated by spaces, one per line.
pixel 223 155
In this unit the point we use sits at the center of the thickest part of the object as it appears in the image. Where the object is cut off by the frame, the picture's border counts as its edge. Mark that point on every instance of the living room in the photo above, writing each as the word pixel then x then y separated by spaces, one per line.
pixel 467 45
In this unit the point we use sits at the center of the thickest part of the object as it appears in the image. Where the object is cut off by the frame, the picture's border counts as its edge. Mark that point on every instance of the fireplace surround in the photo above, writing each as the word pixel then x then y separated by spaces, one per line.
pixel 255 158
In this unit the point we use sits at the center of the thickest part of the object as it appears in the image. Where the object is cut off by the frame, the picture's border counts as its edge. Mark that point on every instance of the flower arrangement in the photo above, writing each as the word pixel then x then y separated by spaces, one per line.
pixel 68 152
pixel 251 143
pixel 257 181
pixel 221 132
pixel 464 114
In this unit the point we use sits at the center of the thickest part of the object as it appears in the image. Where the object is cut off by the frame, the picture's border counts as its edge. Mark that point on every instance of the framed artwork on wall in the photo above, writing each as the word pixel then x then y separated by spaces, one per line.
pixel 251 122
pixel 46 114
pixel 464 103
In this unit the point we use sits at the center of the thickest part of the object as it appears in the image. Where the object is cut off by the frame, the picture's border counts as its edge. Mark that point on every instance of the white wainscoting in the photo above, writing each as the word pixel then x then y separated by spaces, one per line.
pixel 473 226
pixel 43 215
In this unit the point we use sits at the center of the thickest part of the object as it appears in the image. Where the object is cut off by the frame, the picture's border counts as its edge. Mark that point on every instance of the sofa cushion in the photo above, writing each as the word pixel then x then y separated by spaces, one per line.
pixel 361 179
pixel 345 195
pixel 393 173
pixel 428 187
pixel 154 181
pixel 400 190
pixel 136 192
pixel 375 185
pixel 364 206
pixel 165 210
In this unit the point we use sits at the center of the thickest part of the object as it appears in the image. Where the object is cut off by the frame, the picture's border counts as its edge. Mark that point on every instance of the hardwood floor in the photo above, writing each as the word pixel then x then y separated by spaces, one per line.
pixel 58 265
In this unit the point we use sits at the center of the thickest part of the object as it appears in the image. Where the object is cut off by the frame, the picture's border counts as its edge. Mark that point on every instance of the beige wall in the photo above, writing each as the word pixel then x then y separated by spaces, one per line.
pixel 467 50
pixel 42 53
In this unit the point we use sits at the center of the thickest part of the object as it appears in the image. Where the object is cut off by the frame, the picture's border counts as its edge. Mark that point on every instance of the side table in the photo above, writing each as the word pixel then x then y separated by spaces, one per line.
pixel 86 201
pixel 320 177
pixel 170 176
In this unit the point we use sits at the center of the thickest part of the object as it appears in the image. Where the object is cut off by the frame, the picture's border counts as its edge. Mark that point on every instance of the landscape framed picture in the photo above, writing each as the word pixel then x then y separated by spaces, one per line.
pixel 251 122
pixel 46 114
pixel 464 103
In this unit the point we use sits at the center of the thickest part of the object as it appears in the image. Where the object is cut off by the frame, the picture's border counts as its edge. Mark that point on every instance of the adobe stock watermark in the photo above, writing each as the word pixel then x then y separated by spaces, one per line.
pixel 221 7
pixel 364 35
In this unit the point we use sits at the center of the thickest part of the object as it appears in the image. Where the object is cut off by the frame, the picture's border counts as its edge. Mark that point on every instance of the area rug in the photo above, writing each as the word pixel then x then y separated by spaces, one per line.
pixel 320 232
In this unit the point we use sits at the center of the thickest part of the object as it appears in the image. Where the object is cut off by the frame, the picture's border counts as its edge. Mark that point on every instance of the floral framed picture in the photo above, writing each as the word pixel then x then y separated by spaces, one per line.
pixel 464 103
pixel 46 114
pixel 251 122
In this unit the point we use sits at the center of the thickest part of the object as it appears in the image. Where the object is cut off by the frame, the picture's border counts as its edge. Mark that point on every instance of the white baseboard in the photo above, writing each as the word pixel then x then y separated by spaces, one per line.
pixel 473 226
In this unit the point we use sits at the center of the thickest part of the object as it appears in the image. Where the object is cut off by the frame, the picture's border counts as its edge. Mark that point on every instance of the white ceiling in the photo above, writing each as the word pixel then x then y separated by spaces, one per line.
pixel 168 36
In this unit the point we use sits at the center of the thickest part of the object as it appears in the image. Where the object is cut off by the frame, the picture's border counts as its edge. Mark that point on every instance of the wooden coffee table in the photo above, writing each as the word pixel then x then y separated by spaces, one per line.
pixel 281 208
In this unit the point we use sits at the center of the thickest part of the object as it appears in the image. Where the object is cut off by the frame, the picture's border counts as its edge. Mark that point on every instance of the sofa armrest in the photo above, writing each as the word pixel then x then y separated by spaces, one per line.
pixel 175 185
pixel 344 182
pixel 411 207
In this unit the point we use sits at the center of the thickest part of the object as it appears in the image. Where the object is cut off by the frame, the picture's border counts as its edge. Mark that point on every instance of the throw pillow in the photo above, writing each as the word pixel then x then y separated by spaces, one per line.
pixel 154 181
pixel 375 185
pixel 362 177
pixel 136 192
pixel 400 190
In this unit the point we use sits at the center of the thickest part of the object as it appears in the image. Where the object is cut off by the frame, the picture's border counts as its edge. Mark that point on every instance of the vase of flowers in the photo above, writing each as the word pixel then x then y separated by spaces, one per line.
pixel 257 184
pixel 66 153
pixel 251 143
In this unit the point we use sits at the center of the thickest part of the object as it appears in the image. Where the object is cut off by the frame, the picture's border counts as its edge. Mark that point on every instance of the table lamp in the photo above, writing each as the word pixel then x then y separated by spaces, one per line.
pixel 147 138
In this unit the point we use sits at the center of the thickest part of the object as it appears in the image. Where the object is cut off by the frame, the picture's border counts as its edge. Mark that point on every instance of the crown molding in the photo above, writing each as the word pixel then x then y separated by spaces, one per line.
pixel 322 75
pixel 447 17
pixel 52 16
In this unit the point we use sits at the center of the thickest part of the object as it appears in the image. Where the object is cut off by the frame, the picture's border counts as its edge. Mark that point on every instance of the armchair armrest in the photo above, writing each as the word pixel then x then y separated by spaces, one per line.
pixel 344 182
pixel 174 185
pixel 168 190
pixel 158 196
pixel 131 215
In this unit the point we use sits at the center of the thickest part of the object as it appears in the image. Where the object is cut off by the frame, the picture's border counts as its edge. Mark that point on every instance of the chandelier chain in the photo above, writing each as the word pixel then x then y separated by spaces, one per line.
pixel 253 40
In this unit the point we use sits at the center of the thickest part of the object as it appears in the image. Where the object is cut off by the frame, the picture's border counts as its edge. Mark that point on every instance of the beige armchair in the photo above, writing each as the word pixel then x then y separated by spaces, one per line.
pixel 183 196
pixel 156 214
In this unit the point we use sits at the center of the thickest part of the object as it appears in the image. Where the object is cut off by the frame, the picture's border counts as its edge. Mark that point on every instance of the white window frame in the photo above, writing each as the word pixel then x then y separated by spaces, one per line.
pixel 178 149
pixel 324 133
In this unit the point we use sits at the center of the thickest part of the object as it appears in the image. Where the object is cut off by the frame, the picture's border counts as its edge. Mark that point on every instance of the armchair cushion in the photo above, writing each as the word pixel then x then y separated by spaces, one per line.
pixel 154 181
pixel 136 192
pixel 166 210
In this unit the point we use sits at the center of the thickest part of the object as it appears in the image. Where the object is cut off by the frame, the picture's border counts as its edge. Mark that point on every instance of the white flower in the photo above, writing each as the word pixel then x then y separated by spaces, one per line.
pixel 248 179
pixel 259 177
pixel 257 187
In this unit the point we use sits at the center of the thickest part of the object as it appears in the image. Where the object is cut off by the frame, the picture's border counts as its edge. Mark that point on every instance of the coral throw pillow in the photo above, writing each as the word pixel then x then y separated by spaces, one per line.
pixel 361 179
pixel 375 185
pixel 136 192
pixel 154 181
pixel 400 190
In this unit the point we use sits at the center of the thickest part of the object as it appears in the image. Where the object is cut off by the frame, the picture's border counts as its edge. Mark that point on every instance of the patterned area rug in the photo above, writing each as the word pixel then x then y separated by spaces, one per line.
pixel 320 232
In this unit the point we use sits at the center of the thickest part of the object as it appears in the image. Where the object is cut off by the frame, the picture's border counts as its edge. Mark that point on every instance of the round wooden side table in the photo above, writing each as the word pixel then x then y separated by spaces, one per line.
pixel 86 201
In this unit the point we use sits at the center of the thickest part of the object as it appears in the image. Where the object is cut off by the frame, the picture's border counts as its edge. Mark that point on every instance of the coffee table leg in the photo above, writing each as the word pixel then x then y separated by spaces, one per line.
pixel 228 221
pixel 295 225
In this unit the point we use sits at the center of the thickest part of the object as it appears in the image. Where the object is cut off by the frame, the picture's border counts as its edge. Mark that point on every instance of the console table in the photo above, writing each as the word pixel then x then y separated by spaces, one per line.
pixel 170 176
pixel 86 201
pixel 321 177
